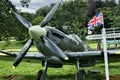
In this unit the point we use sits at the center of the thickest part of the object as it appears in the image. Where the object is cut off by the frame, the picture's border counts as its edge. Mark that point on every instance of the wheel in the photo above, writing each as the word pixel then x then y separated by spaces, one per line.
pixel 80 75
pixel 39 75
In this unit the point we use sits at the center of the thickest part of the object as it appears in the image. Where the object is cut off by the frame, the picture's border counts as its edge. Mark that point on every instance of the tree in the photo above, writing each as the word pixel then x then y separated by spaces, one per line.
pixel 115 22
pixel 5 6
pixel 93 5
pixel 37 20
pixel 25 3
pixel 73 11
pixel 10 27
pixel 119 2
pixel 111 15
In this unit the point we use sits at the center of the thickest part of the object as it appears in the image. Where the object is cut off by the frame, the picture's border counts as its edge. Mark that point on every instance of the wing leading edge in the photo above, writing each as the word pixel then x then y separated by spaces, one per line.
pixel 92 53
pixel 30 55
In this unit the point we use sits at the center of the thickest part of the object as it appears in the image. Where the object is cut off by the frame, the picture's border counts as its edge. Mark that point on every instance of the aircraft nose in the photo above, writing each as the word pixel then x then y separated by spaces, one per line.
pixel 36 32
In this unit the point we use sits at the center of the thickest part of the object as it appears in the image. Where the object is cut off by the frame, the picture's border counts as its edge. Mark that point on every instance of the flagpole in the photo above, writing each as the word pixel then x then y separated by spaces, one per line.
pixel 105 52
pixel 92 23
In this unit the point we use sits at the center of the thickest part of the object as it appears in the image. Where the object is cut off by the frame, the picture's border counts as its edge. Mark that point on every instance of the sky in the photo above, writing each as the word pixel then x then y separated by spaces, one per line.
pixel 34 4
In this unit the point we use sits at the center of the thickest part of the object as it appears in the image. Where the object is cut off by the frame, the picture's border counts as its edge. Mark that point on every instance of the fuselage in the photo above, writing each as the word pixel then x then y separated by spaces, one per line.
pixel 64 42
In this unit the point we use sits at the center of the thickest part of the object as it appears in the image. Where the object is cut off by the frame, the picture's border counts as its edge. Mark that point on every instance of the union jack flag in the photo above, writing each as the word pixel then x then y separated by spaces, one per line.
pixel 97 20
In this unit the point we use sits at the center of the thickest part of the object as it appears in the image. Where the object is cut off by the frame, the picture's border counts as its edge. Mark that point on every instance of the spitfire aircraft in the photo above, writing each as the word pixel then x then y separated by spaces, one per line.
pixel 56 48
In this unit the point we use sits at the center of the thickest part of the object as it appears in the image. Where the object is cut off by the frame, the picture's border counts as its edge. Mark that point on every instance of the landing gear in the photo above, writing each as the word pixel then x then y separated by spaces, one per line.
pixel 80 73
pixel 39 75
pixel 43 73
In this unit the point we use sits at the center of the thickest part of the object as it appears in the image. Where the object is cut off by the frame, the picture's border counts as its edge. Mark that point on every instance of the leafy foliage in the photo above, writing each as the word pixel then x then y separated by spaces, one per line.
pixel 37 20
pixel 4 17
pixel 10 27
pixel 111 16
pixel 25 3
pixel 74 13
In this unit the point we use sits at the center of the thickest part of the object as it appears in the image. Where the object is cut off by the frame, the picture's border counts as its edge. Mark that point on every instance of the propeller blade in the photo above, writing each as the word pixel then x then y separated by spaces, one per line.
pixel 26 23
pixel 50 14
pixel 54 48
pixel 22 52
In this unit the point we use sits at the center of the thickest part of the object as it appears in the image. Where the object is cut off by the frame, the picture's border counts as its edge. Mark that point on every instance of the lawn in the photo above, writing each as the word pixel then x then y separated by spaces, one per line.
pixel 28 68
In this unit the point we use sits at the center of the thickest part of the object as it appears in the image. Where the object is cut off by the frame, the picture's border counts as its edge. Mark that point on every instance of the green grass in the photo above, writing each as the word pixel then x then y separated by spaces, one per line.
pixel 28 68
pixel 12 46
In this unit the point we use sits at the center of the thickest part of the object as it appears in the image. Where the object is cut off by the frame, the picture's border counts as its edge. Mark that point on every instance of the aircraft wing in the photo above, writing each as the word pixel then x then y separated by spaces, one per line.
pixel 92 53
pixel 29 55
pixel 4 53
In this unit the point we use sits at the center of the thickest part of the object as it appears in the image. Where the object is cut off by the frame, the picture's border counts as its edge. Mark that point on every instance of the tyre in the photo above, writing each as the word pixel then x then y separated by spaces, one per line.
pixel 39 75
pixel 80 75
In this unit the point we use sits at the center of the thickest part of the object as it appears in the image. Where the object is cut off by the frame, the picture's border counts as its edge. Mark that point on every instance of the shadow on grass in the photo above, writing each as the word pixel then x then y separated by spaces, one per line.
pixel 11 59
pixel 57 77
pixel 94 77
pixel 72 77
pixel 6 58
pixel 18 77
pixel 50 77
pixel 111 66
pixel 61 77
pixel 33 77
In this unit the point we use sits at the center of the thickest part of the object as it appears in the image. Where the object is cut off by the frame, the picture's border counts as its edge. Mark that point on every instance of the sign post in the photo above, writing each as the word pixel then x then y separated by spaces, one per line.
pixel 105 53
pixel 104 36
pixel 99 36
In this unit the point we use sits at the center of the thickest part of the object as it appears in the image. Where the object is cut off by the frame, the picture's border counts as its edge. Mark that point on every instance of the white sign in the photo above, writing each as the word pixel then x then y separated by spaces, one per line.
pixel 99 36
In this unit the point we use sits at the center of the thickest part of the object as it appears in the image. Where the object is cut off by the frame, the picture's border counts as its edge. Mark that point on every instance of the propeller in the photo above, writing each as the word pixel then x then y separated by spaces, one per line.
pixel 22 52
pixel 50 14
pixel 26 47
pixel 48 43
pixel 26 23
